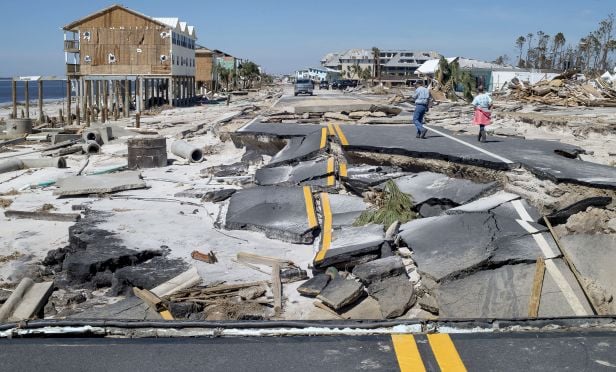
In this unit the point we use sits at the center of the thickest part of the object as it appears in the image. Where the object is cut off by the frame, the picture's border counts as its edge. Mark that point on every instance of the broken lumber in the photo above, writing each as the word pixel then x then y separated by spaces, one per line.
pixel 277 288
pixel 154 302
pixel 535 297
pixel 262 260
pixel 210 257
pixel 26 300
pixel 324 307
pixel 45 216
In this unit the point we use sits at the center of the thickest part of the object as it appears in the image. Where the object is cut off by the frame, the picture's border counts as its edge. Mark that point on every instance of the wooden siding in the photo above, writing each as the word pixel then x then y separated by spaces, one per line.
pixel 116 17
pixel 204 63
pixel 135 42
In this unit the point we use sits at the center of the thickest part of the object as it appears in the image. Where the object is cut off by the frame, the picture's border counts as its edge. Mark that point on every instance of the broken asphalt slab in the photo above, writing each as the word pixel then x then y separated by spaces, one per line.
pixel 504 292
pixel 353 245
pixel 295 175
pixel 451 246
pixel 279 212
pixel 539 156
pixel 360 178
pixel 561 216
pixel 426 186
pixel 395 295
pixel 377 270
pixel 341 292
pixel 99 184
pixel 301 148
pixel 503 204
pixel 346 209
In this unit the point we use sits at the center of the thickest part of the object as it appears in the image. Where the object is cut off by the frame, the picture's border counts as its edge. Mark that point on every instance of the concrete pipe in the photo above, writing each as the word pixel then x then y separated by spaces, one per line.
pixel 18 127
pixel 187 151
pixel 38 137
pixel 91 147
pixel 93 135
pixel 11 165
pixel 58 162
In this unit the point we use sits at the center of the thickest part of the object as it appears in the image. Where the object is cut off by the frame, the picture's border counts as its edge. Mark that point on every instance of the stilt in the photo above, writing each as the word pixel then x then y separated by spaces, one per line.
pixel 126 108
pixel 88 102
pixel 40 100
pixel 27 98
pixel 68 102
pixel 116 100
pixel 14 97
pixel 152 101
pixel 105 110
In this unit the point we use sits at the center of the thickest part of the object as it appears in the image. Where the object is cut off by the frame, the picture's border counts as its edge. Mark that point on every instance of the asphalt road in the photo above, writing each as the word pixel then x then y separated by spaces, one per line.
pixel 555 351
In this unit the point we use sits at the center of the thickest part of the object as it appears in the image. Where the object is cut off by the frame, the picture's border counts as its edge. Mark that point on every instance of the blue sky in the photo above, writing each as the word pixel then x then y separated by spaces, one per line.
pixel 286 35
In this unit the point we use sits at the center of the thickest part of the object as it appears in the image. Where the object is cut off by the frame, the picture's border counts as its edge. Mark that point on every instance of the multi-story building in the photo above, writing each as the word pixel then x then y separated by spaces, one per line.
pixel 209 63
pixel 394 67
pixel 131 57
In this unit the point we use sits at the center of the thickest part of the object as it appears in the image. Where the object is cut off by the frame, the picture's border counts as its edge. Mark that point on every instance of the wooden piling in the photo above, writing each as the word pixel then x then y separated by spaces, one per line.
pixel 126 108
pixel 88 102
pixel 105 115
pixel 14 96
pixel 27 98
pixel 116 100
pixel 40 101
pixel 68 102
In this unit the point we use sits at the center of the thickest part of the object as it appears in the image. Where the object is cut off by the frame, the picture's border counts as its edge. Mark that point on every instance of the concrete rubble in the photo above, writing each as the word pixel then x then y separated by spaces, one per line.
pixel 274 186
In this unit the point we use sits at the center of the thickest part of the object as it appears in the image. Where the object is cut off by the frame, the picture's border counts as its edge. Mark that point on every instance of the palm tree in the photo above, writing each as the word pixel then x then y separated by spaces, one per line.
pixel 225 75
pixel 529 37
pixel 520 44
pixel 559 43
pixel 376 55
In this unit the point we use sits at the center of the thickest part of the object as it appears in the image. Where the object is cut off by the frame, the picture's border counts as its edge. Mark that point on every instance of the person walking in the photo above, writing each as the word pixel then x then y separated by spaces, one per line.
pixel 483 114
pixel 422 99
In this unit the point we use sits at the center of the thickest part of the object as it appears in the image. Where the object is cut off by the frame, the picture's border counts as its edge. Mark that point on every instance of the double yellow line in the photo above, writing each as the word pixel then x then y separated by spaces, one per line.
pixel 445 353
pixel 335 130
pixel 326 235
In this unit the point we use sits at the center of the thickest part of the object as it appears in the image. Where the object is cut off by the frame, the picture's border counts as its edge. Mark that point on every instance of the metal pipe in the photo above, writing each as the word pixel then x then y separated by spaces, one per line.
pixel 44 137
pixel 187 151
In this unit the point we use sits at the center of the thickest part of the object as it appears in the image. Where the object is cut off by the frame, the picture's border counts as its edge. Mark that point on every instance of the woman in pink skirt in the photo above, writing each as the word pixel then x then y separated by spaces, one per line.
pixel 483 115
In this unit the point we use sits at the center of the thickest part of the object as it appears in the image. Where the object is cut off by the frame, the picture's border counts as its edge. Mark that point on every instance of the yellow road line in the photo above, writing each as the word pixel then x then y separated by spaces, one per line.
pixel 343 170
pixel 445 353
pixel 330 129
pixel 330 165
pixel 323 137
pixel 312 217
pixel 326 235
pixel 407 353
pixel 331 180
pixel 343 139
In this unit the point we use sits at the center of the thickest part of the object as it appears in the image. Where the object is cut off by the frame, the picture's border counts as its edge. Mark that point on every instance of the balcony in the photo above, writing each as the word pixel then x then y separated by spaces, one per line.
pixel 72 69
pixel 71 46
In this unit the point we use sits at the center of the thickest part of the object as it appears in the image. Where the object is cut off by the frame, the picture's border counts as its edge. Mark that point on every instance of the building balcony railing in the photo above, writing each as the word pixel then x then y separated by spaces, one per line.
pixel 72 69
pixel 71 46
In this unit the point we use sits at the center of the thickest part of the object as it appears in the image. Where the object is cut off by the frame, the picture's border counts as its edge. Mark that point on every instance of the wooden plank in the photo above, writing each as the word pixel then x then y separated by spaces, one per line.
pixel 45 216
pixel 154 302
pixel 535 296
pixel 324 307
pixel 262 260
pixel 277 288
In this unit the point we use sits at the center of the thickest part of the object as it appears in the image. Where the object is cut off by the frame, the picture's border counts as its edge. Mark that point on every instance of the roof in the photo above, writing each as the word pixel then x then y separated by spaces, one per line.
pixel 356 54
pixel 171 22
pixel 430 66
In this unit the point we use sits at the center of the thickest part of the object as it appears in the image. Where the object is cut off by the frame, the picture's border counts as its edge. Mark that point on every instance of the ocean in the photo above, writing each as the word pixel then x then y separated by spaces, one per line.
pixel 52 89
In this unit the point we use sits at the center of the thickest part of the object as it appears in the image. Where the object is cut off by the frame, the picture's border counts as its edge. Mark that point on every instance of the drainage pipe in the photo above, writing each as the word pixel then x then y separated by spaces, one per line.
pixel 187 151
pixel 93 135
pixel 91 147
pixel 17 164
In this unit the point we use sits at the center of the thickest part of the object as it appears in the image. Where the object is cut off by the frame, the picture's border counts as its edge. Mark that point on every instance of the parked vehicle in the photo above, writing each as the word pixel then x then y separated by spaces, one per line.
pixel 324 84
pixel 343 84
pixel 335 84
pixel 304 86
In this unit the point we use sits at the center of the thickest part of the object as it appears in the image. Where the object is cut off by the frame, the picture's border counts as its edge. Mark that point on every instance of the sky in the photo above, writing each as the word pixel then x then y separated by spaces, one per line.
pixel 285 35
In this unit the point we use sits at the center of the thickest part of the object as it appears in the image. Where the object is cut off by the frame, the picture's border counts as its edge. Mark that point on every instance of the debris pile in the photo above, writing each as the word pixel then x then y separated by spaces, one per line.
pixel 561 91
